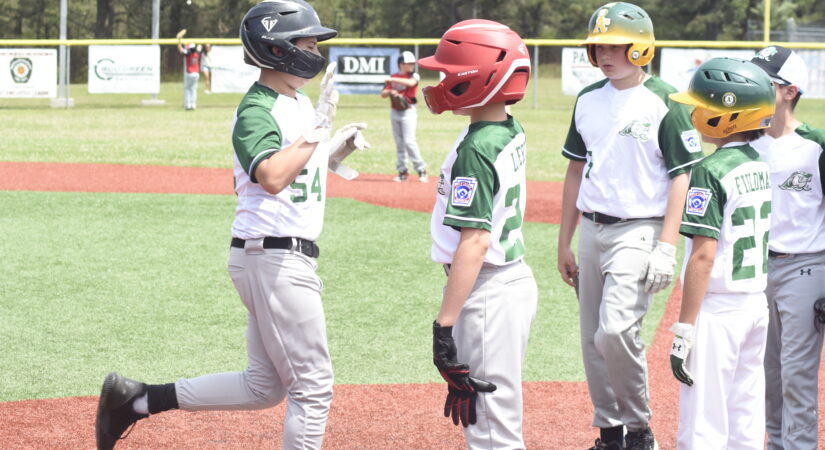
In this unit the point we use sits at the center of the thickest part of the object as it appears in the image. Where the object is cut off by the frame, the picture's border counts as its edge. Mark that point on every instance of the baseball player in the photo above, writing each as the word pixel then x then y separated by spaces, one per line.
pixel 796 261
pixel 719 341
pixel 191 72
pixel 489 302
pixel 401 88
pixel 630 148
pixel 281 157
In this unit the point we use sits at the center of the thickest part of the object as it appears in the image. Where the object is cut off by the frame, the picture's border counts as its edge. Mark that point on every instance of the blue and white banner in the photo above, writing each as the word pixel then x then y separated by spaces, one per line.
pixel 576 71
pixel 28 73
pixel 363 70
pixel 124 69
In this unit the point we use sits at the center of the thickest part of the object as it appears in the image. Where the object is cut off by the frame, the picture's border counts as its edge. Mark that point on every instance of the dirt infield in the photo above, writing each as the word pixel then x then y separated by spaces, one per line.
pixel 557 414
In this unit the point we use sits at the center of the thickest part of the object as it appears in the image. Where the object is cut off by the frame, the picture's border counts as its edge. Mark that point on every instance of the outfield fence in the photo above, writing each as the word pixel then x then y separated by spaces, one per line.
pixel 672 63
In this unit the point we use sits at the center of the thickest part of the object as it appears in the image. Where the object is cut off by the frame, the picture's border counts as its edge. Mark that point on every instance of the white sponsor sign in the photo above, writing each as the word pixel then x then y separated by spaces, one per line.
pixel 679 64
pixel 229 72
pixel 124 69
pixel 363 70
pixel 815 60
pixel 28 72
pixel 576 71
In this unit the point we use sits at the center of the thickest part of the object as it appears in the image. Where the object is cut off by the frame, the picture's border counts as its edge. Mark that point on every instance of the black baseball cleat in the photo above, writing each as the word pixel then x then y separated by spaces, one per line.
pixel 599 445
pixel 402 176
pixel 114 409
pixel 641 440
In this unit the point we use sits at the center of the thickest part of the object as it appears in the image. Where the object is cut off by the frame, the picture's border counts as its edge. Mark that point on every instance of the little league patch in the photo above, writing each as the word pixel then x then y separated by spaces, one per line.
pixel 697 201
pixel 464 189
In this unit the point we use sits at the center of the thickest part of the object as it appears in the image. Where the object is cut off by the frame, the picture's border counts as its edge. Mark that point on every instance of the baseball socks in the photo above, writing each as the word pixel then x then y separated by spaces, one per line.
pixel 158 398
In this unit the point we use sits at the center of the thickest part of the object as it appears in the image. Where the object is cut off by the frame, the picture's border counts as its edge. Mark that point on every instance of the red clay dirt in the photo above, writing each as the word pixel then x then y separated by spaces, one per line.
pixel 557 414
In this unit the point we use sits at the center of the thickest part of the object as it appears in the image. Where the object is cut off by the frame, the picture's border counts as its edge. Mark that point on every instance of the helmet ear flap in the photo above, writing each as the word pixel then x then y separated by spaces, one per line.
pixel 640 55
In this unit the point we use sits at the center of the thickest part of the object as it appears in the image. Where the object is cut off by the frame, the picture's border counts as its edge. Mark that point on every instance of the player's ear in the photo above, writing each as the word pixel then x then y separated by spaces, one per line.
pixel 276 51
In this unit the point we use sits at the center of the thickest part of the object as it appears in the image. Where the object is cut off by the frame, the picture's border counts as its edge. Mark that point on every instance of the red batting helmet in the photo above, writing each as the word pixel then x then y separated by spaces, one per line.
pixel 482 61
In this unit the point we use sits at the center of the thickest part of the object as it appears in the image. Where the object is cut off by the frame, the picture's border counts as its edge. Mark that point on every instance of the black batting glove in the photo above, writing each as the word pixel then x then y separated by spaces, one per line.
pixel 462 388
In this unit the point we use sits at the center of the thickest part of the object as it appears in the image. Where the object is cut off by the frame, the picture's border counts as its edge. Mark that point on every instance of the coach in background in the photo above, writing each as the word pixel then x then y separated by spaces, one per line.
pixel 401 88
pixel 796 262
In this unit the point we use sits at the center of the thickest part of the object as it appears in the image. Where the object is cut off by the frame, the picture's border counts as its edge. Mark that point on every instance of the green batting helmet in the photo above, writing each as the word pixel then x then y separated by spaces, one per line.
pixel 621 23
pixel 730 96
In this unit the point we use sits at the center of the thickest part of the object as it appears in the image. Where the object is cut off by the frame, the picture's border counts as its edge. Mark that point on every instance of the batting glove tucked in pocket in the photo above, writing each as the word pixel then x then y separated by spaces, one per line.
pixel 463 389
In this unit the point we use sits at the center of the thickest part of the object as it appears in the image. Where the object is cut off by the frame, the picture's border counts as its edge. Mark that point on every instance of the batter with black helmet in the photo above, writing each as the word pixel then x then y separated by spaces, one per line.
pixel 282 151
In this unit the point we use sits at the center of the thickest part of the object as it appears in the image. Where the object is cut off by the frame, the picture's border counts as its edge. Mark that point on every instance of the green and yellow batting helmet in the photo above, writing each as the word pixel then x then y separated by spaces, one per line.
pixel 621 23
pixel 730 96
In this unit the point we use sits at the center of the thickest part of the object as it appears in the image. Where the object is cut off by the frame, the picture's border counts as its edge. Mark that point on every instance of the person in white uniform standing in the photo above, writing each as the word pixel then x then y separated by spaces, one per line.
pixel 796 262
pixel 719 343
pixel 489 302
pixel 630 148
pixel 280 164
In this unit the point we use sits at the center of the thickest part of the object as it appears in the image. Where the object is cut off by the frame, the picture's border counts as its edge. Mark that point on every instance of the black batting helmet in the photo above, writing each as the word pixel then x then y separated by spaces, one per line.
pixel 277 23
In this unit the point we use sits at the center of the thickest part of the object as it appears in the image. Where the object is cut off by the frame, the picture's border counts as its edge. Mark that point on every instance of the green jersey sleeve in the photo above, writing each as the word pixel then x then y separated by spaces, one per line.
pixel 818 136
pixel 255 137
pixel 704 206
pixel 473 185
pixel 680 143
pixel 574 147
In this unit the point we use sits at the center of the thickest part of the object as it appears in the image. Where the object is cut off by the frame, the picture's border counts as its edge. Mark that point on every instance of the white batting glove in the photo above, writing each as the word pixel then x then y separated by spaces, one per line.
pixel 658 269
pixel 327 99
pixel 345 141
pixel 682 343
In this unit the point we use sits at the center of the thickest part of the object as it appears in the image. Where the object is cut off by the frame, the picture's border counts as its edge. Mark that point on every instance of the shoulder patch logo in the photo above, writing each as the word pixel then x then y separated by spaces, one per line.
pixel 697 201
pixel 798 181
pixel 637 130
pixel 464 189
pixel 692 141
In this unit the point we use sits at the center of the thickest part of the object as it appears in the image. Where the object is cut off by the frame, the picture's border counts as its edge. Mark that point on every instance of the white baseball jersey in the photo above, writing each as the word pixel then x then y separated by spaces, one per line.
pixel 633 140
pixel 264 123
pixel 729 199
pixel 483 185
pixel 796 161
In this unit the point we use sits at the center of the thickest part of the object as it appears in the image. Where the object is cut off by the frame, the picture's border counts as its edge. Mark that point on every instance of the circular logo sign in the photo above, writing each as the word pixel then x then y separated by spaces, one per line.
pixel 729 99
pixel 21 69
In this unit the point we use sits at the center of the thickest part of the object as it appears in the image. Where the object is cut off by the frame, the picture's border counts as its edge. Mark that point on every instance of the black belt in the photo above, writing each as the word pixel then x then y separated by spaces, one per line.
pixel 774 254
pixel 604 219
pixel 304 246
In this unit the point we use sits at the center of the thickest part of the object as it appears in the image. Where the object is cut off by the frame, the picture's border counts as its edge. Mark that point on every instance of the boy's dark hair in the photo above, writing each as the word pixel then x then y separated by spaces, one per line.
pixel 752 135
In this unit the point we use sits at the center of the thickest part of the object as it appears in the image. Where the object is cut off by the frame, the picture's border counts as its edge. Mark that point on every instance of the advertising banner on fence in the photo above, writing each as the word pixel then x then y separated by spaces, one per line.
pixel 124 69
pixel 28 72
pixel 229 72
pixel 679 64
pixel 363 70
pixel 576 71
pixel 815 59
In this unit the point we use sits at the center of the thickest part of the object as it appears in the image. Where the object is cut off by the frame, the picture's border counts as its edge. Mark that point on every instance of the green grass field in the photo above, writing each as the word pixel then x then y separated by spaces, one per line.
pixel 137 282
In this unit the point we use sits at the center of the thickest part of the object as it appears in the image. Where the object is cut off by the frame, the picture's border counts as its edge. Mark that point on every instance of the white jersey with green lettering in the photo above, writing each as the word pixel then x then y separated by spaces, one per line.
pixel 483 185
pixel 634 141
pixel 265 122
pixel 729 199
pixel 797 162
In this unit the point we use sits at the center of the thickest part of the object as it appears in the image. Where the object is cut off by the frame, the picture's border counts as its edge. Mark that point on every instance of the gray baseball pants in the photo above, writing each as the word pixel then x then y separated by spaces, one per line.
pixel 403 130
pixel 491 337
pixel 793 351
pixel 613 304
pixel 190 90
pixel 286 347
